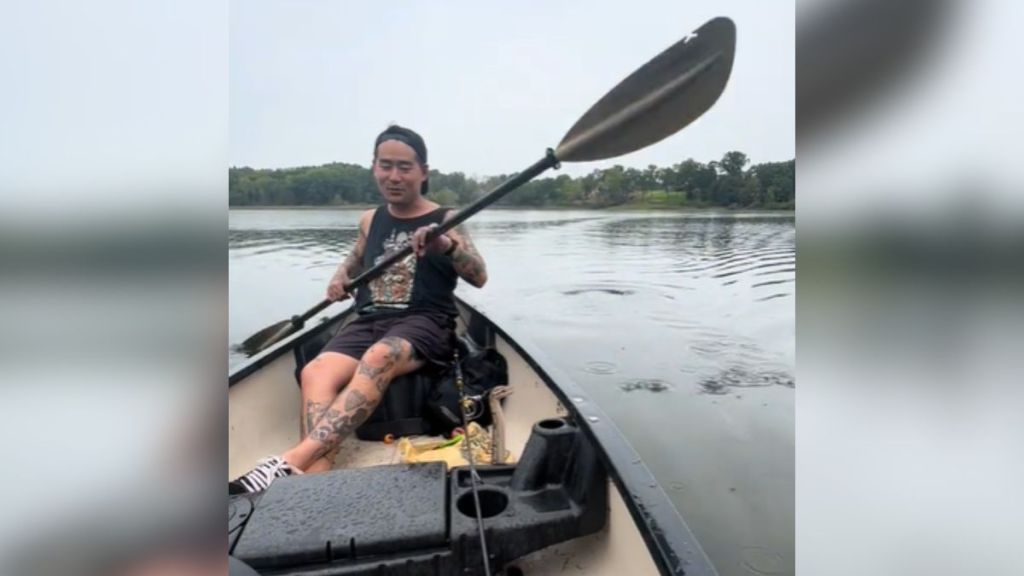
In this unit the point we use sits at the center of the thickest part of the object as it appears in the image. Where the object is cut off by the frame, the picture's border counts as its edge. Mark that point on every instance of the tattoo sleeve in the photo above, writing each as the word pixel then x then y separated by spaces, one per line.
pixel 335 425
pixel 468 263
pixel 314 411
pixel 353 263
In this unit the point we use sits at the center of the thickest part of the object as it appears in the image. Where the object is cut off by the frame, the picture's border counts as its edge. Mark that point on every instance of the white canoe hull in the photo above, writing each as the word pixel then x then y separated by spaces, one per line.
pixel 643 533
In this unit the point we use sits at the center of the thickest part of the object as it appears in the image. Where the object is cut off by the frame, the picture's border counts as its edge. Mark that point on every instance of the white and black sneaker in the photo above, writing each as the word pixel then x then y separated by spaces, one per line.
pixel 260 477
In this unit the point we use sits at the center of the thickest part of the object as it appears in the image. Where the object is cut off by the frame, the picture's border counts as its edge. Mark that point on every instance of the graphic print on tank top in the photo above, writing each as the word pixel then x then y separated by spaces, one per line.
pixel 393 289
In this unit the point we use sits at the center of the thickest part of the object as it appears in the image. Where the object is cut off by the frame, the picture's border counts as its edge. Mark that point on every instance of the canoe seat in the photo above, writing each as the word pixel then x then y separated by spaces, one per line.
pixel 347 514
pixel 402 411
pixel 427 402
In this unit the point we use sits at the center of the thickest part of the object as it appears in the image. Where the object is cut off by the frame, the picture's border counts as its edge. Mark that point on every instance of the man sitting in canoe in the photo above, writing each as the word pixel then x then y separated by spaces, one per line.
pixel 406 317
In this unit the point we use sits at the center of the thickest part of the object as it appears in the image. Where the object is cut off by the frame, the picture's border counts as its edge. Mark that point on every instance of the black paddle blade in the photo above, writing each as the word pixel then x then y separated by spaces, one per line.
pixel 657 100
pixel 266 337
pixel 276 332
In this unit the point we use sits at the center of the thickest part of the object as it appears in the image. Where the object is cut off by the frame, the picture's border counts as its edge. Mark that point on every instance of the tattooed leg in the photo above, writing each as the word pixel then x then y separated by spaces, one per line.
pixel 322 379
pixel 378 365
pixel 314 411
pixel 384 361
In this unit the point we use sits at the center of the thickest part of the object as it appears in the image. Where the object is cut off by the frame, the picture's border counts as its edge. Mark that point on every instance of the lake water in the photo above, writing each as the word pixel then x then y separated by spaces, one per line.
pixel 679 325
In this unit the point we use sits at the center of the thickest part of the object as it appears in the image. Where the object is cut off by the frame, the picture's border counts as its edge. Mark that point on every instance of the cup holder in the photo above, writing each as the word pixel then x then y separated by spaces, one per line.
pixel 551 424
pixel 492 503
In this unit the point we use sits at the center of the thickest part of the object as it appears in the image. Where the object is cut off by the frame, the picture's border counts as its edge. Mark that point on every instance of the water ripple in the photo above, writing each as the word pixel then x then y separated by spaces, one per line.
pixel 771 282
pixel 773 296
pixel 248 243
pixel 613 291
pixel 600 367
pixel 609 288
pixel 648 384
pixel 783 271
pixel 738 376
pixel 762 560
pixel 760 266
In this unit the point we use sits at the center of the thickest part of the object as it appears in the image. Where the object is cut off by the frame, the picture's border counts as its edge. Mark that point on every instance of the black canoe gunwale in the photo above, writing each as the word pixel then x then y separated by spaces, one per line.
pixel 673 546
pixel 287 345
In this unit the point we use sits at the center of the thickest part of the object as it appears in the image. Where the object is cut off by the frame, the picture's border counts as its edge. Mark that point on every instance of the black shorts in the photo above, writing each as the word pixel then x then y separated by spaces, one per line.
pixel 431 335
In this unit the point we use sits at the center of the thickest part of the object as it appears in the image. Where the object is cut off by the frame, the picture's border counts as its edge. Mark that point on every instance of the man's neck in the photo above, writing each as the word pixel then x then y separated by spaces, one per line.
pixel 412 210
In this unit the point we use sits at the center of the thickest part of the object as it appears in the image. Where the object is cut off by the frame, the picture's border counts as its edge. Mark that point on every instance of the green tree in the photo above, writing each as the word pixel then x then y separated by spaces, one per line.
pixel 613 186
pixel 725 182
pixel 776 183
pixel 569 190
pixel 445 197
pixel 733 163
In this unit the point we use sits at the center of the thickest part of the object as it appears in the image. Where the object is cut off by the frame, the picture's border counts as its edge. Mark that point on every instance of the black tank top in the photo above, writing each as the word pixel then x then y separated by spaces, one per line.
pixel 412 284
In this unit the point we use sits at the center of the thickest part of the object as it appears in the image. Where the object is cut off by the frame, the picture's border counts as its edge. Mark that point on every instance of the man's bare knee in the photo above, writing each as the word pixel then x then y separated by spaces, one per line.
pixel 323 376
pixel 387 354
pixel 384 360
pixel 316 381
pixel 310 372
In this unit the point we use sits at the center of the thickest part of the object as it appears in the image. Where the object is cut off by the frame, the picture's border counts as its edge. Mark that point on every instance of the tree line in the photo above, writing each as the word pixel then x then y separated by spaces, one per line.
pixel 729 182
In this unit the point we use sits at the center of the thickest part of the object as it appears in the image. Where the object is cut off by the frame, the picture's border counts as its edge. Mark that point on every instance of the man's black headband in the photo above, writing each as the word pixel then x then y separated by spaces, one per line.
pixel 405 136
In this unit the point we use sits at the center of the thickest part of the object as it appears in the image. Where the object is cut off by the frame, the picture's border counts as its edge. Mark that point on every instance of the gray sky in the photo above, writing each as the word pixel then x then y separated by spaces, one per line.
pixel 489 85
pixel 112 105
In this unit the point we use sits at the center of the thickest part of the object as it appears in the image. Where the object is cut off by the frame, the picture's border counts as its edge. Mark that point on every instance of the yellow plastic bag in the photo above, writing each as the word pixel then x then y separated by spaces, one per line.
pixel 452 451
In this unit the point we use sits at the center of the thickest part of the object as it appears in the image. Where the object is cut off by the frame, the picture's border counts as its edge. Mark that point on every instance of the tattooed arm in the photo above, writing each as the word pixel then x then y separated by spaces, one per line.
pixel 467 260
pixel 457 244
pixel 353 263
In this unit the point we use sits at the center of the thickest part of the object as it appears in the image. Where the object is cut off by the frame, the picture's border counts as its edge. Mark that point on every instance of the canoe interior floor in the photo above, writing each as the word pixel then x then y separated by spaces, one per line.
pixel 355 453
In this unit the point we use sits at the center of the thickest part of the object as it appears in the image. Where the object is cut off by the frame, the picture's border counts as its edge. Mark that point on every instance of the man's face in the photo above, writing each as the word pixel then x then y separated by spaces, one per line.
pixel 398 172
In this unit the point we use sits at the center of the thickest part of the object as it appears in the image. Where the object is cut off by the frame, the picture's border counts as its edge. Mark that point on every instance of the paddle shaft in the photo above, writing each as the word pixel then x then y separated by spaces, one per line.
pixel 300 320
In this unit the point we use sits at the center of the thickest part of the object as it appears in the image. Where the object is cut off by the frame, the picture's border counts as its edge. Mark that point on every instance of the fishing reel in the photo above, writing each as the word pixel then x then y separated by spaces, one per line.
pixel 472 406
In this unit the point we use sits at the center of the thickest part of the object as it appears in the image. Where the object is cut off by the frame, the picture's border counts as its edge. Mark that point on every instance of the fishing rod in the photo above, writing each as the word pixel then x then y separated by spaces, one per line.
pixel 474 478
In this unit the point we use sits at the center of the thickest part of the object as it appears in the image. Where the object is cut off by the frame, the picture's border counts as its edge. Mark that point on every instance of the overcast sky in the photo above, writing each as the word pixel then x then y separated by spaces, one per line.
pixel 489 85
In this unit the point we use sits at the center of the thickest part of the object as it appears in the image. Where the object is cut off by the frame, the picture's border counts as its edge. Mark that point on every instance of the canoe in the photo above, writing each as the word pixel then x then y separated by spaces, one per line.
pixel 575 498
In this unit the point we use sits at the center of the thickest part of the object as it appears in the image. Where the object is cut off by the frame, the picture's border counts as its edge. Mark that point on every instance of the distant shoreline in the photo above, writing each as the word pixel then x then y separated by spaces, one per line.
pixel 631 206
